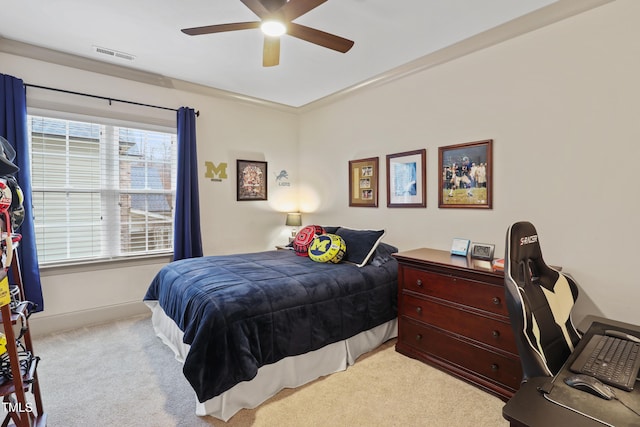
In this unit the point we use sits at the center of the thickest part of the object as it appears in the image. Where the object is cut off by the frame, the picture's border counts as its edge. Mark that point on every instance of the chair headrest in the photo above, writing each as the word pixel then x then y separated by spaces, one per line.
pixel 524 243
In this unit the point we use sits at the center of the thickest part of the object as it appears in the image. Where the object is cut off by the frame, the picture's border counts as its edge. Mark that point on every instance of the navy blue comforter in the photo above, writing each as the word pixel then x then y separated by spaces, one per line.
pixel 240 312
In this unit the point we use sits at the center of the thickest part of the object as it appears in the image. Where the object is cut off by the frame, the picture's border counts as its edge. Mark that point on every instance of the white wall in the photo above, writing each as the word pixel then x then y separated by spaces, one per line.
pixel 562 106
pixel 226 130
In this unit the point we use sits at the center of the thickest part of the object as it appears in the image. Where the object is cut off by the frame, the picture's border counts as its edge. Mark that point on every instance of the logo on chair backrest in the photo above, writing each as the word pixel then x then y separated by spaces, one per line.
pixel 528 240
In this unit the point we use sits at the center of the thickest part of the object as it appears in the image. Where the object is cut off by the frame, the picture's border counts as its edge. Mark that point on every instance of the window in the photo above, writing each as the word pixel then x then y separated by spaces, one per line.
pixel 100 191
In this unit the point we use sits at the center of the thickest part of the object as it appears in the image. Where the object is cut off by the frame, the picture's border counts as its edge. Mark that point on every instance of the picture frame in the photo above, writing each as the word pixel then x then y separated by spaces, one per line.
pixel 363 182
pixel 251 180
pixel 460 246
pixel 465 176
pixel 483 251
pixel 407 179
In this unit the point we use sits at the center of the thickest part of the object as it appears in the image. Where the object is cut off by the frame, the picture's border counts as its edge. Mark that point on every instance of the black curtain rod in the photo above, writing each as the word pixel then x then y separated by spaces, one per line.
pixel 104 98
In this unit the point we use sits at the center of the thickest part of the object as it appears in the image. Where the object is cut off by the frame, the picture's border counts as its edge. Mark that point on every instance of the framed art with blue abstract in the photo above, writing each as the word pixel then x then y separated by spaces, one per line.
pixel 407 179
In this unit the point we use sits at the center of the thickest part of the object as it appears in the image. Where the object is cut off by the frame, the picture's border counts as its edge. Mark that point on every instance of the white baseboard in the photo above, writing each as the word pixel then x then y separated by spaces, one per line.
pixel 41 324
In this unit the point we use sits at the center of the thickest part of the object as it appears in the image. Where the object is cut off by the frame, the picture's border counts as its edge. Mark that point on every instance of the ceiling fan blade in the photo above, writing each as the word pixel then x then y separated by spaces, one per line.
pixel 271 54
pixel 196 31
pixel 296 8
pixel 256 7
pixel 318 37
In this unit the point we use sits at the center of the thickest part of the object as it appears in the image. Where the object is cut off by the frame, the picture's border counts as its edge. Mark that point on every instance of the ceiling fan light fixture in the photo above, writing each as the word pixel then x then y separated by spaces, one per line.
pixel 273 28
pixel 276 19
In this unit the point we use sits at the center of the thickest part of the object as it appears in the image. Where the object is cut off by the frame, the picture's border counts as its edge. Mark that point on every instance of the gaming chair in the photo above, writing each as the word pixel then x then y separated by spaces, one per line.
pixel 539 299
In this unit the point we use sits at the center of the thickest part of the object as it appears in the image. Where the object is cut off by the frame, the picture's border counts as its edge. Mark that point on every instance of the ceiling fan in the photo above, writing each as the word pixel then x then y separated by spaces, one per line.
pixel 279 13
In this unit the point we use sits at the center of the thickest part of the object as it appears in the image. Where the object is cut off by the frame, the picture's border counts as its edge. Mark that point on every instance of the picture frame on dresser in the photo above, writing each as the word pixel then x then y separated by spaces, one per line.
pixel 482 251
pixel 363 182
pixel 407 179
pixel 465 176
pixel 460 246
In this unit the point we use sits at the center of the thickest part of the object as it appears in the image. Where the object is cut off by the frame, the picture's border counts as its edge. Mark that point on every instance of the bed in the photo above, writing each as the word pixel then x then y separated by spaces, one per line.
pixel 245 326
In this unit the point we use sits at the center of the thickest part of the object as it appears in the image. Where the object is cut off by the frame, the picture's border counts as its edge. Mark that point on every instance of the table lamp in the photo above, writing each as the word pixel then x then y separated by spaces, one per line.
pixel 294 219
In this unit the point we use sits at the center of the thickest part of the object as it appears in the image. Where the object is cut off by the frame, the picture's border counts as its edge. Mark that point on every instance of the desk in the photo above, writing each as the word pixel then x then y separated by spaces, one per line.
pixel 529 407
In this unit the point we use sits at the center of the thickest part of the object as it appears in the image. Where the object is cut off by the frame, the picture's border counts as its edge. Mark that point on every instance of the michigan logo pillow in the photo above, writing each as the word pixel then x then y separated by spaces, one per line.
pixel 304 238
pixel 327 248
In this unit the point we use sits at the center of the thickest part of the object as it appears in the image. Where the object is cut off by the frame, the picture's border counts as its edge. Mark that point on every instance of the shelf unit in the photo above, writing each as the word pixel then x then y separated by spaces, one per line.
pixel 21 412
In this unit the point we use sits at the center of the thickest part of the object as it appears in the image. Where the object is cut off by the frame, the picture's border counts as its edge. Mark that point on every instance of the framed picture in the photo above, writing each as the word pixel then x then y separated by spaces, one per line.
pixel 460 247
pixel 363 182
pixel 252 180
pixel 407 179
pixel 483 251
pixel 465 175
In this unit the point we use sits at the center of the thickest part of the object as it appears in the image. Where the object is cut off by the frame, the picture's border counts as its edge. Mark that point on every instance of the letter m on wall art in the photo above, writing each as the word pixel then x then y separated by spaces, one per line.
pixel 212 171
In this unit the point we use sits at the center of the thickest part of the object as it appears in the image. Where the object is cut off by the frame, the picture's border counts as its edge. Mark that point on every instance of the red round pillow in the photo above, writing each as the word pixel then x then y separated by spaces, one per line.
pixel 304 238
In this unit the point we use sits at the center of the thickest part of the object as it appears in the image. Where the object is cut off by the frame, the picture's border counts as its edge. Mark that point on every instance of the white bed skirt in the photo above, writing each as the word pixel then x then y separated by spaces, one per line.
pixel 290 372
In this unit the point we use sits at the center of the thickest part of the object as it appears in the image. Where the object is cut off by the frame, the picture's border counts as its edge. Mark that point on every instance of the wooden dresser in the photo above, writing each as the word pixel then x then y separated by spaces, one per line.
pixel 452 315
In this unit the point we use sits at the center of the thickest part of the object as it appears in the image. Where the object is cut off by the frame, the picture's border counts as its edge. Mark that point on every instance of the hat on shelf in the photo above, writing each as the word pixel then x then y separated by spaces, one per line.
pixel 7 154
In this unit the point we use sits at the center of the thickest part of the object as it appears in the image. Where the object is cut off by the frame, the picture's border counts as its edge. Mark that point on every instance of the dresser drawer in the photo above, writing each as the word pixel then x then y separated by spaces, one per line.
pixel 462 291
pixel 484 329
pixel 480 361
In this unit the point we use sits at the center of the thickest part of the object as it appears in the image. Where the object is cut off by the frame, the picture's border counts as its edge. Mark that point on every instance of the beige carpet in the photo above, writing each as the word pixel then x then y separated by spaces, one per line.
pixel 121 374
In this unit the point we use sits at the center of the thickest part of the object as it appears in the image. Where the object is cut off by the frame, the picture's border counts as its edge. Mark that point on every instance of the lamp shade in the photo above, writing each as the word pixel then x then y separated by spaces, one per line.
pixel 294 219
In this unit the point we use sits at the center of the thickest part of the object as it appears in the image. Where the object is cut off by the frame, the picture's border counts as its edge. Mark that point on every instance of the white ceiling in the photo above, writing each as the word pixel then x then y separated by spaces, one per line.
pixel 388 35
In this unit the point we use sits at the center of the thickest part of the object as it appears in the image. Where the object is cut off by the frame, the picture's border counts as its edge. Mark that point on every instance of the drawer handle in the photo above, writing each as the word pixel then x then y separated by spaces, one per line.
pixel 419 283
pixel 419 310
pixel 495 334
pixel 494 367
pixel 418 337
pixel 496 300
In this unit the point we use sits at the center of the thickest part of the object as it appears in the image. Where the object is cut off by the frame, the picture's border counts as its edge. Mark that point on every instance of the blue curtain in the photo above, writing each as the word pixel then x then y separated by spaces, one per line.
pixel 187 241
pixel 13 126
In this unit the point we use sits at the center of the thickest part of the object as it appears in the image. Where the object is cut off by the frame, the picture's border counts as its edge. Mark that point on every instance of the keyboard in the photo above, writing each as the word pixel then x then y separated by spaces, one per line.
pixel 612 360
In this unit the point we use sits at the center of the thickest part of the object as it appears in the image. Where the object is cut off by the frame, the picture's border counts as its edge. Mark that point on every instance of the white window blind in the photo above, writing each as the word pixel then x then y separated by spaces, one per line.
pixel 100 191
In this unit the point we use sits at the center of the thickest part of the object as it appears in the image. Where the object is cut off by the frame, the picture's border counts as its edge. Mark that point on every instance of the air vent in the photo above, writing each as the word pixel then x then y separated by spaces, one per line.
pixel 113 53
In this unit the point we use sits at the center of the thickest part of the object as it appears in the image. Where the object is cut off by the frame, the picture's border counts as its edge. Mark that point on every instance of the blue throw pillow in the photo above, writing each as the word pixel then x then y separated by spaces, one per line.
pixel 383 254
pixel 361 244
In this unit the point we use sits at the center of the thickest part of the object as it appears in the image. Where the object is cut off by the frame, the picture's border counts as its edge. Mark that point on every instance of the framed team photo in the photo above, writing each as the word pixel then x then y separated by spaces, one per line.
pixel 407 179
pixel 465 175
pixel 252 180
pixel 363 182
